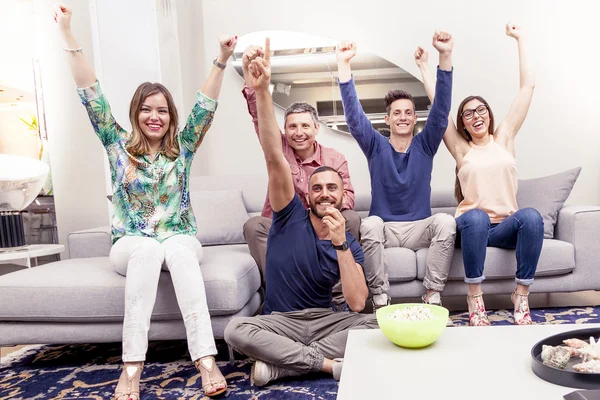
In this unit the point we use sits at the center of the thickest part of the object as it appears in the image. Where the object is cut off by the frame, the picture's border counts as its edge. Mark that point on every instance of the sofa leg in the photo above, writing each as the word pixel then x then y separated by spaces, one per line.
pixel 231 355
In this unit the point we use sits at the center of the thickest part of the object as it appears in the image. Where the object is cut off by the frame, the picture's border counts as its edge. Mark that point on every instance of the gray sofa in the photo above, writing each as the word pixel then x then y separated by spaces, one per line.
pixel 81 299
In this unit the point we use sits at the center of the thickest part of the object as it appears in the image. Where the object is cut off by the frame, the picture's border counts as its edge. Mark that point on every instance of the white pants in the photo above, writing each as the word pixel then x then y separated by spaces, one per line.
pixel 141 259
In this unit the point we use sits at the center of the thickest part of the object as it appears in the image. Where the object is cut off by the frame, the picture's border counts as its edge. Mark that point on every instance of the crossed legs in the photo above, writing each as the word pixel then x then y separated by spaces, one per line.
pixel 297 342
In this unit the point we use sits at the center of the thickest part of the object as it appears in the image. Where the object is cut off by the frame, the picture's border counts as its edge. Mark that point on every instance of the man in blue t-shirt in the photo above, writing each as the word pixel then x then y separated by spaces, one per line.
pixel 308 252
pixel 400 169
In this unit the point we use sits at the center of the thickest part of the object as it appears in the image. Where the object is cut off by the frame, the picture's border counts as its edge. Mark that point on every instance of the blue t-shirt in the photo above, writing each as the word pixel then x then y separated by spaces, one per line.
pixel 400 182
pixel 301 268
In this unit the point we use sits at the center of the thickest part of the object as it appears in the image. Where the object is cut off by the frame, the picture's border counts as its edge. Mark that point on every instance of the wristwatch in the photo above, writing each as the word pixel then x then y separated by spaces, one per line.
pixel 218 64
pixel 344 246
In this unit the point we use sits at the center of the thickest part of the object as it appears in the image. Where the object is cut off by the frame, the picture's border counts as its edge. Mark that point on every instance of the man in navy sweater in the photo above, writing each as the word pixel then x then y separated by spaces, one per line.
pixel 400 169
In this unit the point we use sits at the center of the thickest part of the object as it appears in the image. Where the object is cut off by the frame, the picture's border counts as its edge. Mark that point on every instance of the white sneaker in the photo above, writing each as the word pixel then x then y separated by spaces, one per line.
pixel 380 300
pixel 337 368
pixel 434 298
pixel 263 373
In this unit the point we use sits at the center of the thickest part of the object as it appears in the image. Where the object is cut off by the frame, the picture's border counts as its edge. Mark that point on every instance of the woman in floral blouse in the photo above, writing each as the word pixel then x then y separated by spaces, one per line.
pixel 153 225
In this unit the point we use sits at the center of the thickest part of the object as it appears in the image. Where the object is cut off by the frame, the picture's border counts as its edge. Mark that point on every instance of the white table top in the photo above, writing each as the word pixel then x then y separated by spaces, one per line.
pixel 32 251
pixel 494 360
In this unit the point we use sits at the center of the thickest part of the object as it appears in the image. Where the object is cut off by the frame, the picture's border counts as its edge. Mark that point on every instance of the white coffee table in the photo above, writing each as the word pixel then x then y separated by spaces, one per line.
pixel 491 362
pixel 28 256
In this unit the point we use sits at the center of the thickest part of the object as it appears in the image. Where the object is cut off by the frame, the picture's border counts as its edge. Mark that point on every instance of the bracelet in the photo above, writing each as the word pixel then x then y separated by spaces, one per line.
pixel 218 64
pixel 74 51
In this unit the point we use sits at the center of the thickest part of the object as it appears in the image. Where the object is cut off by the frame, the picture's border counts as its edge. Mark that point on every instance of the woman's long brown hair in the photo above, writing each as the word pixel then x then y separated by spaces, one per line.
pixel 138 144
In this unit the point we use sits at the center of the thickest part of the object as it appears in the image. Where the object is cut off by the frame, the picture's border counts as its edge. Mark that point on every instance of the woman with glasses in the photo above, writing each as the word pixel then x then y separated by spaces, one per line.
pixel 486 188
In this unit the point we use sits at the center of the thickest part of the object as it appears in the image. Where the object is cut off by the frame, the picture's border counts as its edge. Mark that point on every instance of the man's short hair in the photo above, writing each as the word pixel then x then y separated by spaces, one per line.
pixel 394 95
pixel 325 168
pixel 301 107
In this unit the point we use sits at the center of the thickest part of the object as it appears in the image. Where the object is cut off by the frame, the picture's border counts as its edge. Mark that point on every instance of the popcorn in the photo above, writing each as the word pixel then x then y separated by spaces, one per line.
pixel 414 313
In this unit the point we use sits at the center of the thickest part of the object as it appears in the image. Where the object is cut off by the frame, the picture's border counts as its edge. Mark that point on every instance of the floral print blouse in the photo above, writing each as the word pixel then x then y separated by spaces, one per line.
pixel 150 198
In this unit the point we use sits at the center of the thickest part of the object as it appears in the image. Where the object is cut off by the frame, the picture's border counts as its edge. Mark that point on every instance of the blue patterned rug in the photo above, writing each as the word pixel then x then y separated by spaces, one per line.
pixel 90 371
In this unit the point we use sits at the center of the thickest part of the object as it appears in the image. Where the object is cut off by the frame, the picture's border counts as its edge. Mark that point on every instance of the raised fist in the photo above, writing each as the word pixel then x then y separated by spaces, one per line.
pixel 345 51
pixel 513 30
pixel 442 41
pixel 62 16
pixel 227 46
pixel 421 57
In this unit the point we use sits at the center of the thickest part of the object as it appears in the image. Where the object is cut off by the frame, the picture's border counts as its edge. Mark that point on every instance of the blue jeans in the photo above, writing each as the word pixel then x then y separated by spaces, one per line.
pixel 522 231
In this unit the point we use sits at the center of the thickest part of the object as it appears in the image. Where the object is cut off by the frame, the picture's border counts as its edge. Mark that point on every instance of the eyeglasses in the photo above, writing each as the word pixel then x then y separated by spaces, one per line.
pixel 470 113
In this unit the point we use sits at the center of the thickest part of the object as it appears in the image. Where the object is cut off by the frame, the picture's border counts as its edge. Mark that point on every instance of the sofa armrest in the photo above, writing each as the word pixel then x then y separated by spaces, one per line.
pixel 580 226
pixel 88 243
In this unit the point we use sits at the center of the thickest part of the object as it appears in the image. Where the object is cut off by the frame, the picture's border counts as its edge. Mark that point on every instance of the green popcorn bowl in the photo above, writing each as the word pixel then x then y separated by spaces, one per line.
pixel 412 334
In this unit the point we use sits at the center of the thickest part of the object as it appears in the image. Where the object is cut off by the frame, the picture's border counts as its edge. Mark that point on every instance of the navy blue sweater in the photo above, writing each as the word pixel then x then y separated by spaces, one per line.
pixel 301 268
pixel 400 182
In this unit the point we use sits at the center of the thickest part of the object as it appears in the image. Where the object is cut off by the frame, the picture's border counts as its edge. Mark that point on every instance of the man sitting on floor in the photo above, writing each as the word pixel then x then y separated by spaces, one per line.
pixel 308 251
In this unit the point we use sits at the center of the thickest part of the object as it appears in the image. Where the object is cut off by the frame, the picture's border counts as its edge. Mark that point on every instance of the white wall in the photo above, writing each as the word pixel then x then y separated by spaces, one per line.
pixel 559 133
pixel 189 17
pixel 16 42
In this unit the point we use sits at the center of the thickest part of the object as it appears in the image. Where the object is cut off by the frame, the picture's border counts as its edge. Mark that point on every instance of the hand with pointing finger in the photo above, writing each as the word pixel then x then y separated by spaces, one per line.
pixel 260 69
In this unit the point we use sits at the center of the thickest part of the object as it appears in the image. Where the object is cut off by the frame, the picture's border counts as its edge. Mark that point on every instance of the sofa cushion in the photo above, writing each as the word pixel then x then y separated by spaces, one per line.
pixel 253 187
pixel 402 264
pixel 90 243
pixel 547 195
pixel 86 290
pixel 557 258
pixel 220 216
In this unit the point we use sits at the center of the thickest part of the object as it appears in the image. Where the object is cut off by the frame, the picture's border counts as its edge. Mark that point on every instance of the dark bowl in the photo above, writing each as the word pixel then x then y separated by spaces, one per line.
pixel 565 377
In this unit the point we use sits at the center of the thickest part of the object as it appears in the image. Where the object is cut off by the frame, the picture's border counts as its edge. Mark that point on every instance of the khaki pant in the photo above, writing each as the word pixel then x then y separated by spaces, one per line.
pixel 297 340
pixel 256 232
pixel 437 233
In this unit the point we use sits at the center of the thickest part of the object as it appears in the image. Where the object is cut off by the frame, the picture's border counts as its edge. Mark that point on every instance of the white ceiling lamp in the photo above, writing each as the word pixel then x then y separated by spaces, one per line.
pixel 282 40
pixel 289 48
